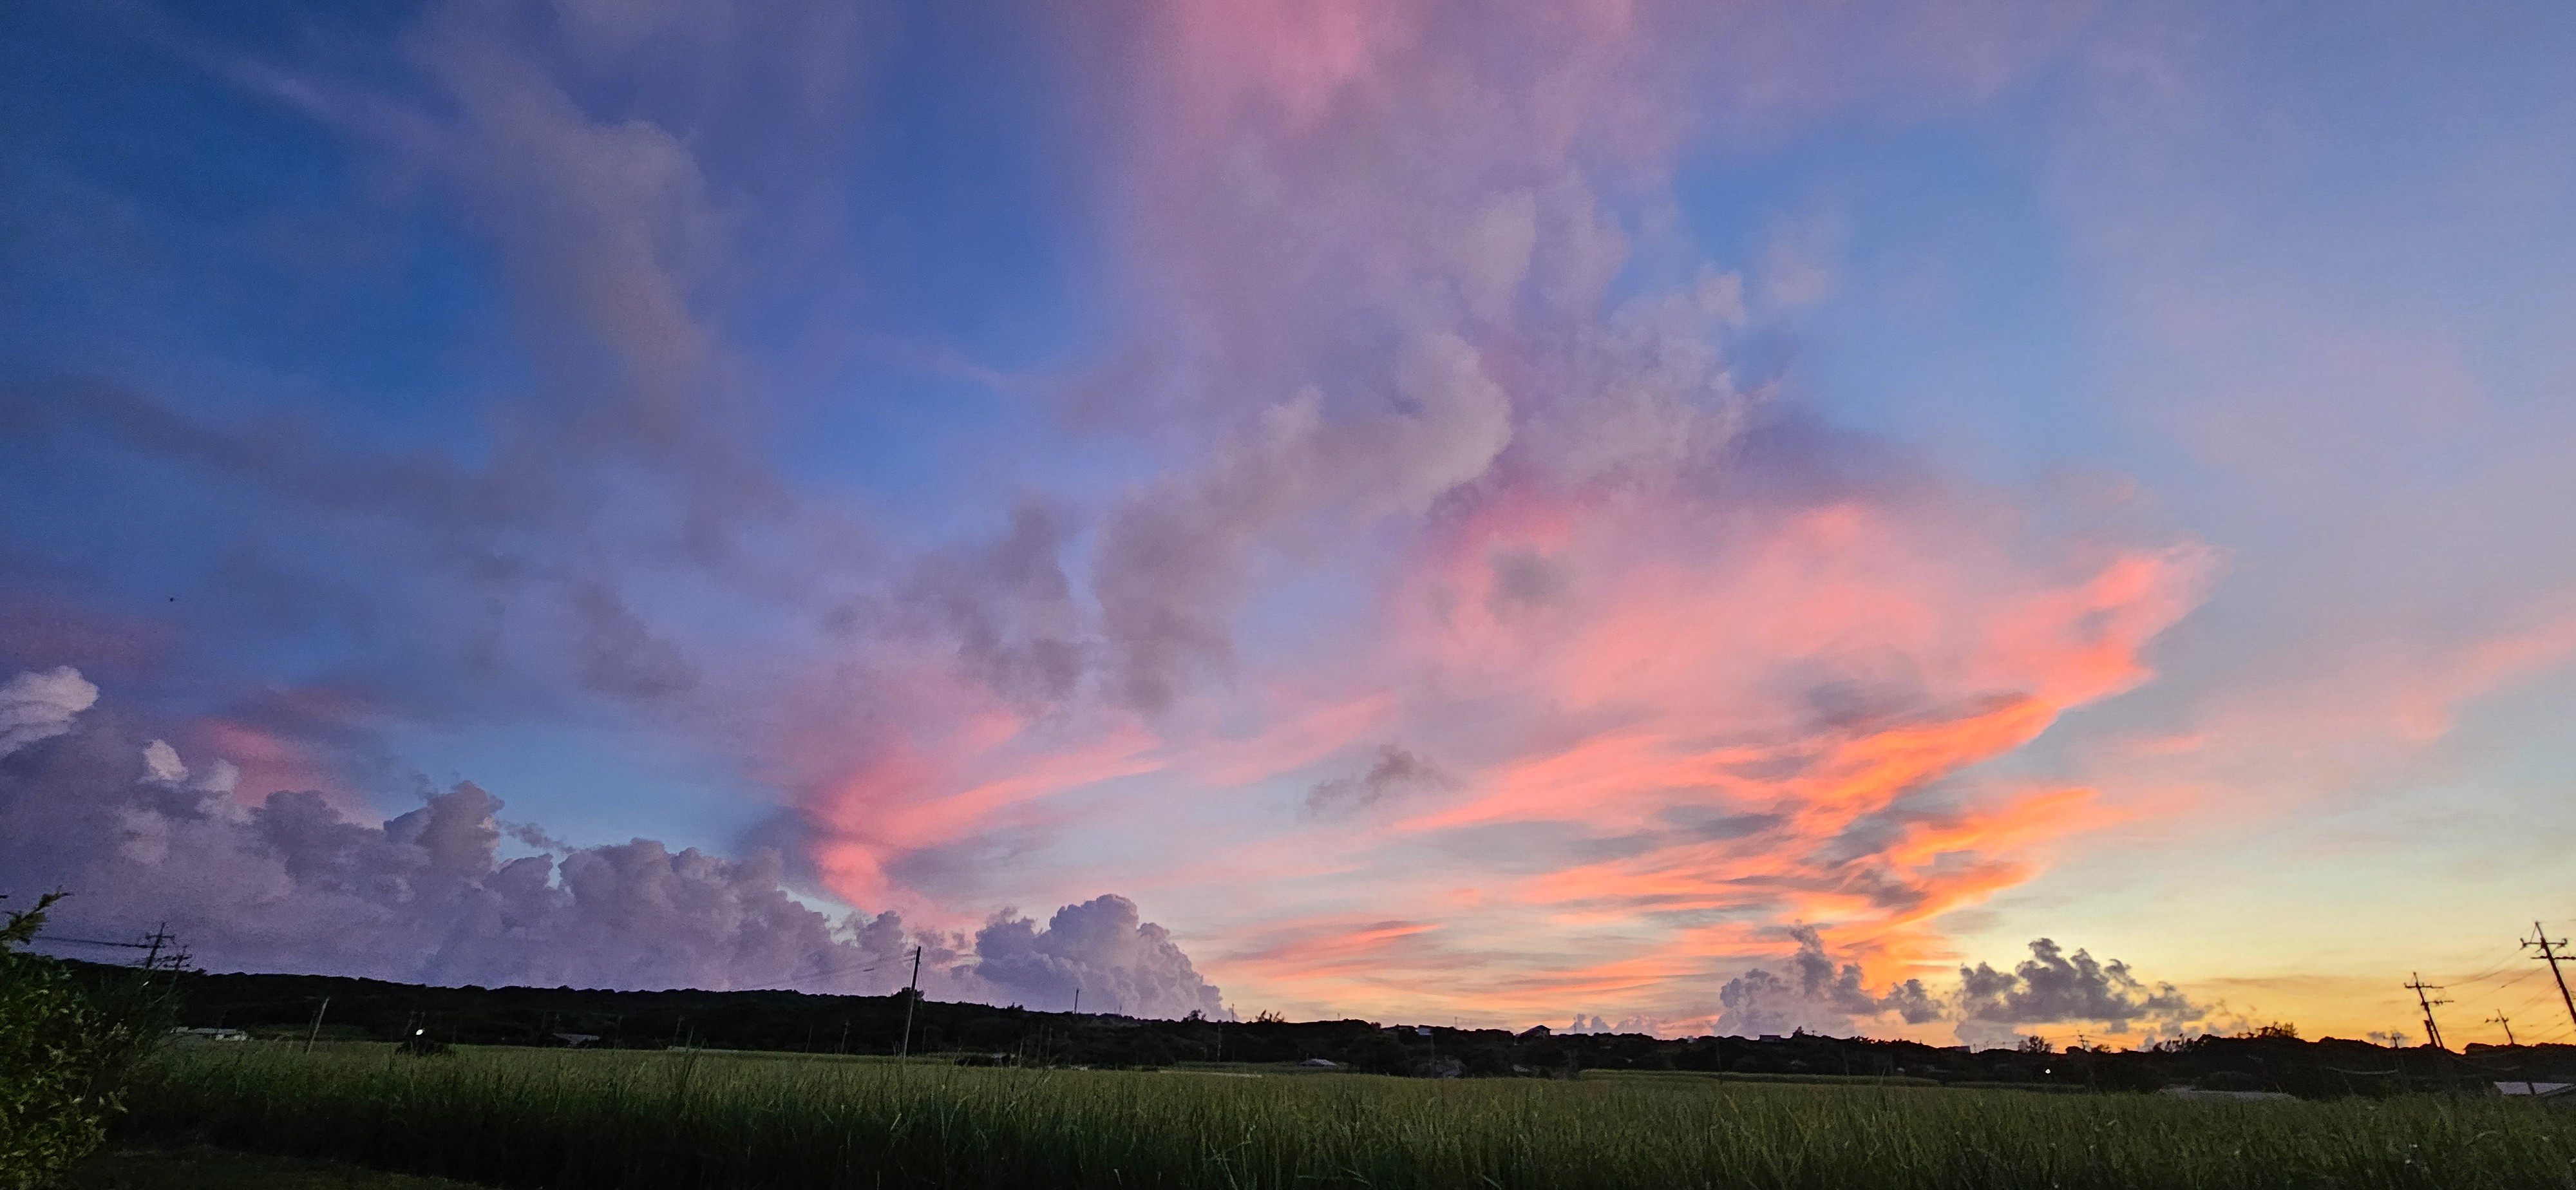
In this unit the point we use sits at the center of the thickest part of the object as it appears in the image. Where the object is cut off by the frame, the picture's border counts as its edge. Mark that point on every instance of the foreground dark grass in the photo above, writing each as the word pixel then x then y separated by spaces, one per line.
pixel 642 1121
pixel 201 1168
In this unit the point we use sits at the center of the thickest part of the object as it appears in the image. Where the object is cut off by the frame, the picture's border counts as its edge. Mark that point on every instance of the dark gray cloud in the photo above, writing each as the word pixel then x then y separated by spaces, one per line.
pixel 1815 994
pixel 294 884
pixel 1178 556
pixel 1990 1007
pixel 619 654
pixel 1393 773
pixel 1525 580
pixel 1010 610
pixel 2053 986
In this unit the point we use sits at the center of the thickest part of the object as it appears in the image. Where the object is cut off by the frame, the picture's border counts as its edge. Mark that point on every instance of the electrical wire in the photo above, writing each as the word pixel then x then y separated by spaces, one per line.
pixel 2510 958
pixel 830 972
pixel 2489 996
pixel 2540 997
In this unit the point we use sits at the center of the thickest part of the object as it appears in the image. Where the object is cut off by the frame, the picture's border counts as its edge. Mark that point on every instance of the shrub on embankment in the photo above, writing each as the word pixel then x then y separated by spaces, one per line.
pixel 64 1051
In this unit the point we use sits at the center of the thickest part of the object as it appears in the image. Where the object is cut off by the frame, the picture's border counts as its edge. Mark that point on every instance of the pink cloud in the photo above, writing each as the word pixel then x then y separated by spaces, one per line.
pixel 1621 603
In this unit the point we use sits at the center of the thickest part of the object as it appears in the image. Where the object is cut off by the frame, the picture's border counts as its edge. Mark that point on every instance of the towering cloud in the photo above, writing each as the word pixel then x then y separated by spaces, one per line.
pixel 1987 1007
pixel 290 883
pixel 1098 950
pixel 2053 986
pixel 1816 995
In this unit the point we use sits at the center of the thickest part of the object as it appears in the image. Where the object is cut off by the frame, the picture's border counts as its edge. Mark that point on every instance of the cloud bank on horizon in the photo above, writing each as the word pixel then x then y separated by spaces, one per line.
pixel 288 883
pixel 1708 515
pixel 426 896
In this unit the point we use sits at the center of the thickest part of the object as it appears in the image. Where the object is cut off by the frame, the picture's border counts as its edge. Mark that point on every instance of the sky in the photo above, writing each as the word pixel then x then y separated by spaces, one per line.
pixel 1948 520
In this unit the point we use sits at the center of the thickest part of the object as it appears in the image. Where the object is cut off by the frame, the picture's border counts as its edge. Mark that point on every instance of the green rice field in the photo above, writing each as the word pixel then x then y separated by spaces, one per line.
pixel 642 1120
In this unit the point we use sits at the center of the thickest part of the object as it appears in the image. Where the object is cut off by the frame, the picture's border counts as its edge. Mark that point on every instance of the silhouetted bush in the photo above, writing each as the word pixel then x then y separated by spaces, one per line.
pixel 64 1052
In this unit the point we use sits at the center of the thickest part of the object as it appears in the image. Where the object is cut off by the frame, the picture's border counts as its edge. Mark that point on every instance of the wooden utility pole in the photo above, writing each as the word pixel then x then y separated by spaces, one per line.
pixel 2550 953
pixel 316 1034
pixel 2419 987
pixel 2499 1019
pixel 911 996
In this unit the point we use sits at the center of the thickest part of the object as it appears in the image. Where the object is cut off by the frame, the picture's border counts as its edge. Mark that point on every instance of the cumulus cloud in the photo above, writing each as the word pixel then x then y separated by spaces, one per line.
pixel 39 706
pixel 1118 962
pixel 1988 1007
pixel 1647 1025
pixel 2053 986
pixel 1815 995
pixel 292 884
pixel 161 763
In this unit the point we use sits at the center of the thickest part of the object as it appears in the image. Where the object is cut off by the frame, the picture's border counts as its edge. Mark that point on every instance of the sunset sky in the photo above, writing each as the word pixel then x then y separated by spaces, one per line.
pixel 1520 512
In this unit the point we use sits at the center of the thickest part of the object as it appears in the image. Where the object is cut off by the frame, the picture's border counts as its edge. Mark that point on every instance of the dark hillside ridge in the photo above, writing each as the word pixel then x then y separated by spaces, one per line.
pixel 284 1006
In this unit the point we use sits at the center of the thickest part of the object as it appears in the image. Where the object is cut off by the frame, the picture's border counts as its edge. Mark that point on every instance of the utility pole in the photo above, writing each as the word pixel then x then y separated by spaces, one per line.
pixel 152 949
pixel 911 996
pixel 1077 999
pixel 2499 1019
pixel 316 1034
pixel 2419 987
pixel 2550 953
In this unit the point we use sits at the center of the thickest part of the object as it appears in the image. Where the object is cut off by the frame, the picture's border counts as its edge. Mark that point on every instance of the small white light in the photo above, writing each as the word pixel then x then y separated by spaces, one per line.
pixel 418 1032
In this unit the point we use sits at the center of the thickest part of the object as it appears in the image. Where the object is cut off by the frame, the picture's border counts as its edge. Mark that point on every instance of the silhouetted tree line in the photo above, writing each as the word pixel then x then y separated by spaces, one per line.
pixel 2279 1061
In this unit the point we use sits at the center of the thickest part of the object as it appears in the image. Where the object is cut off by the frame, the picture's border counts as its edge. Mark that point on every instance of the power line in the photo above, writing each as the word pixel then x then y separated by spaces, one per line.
pixel 831 971
pixel 151 946
pixel 93 942
pixel 2510 982
pixel 2510 958
pixel 2492 996
pixel 2538 996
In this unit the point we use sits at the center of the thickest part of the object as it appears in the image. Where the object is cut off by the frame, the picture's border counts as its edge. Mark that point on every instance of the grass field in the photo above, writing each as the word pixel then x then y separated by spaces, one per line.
pixel 570 1120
